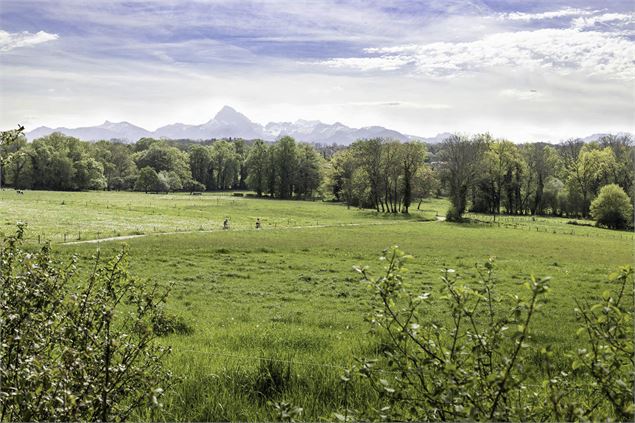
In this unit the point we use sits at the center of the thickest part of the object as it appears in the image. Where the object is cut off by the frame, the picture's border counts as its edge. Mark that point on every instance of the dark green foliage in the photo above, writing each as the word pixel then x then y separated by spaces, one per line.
pixel 453 215
pixel 257 165
pixel 380 174
pixel 225 164
pixel 193 186
pixel 116 159
pixel 286 162
pixel 482 364
pixel 497 176
pixel 162 157
pixel 164 324
pixel 308 176
pixel 284 170
pixel 201 166
pixel 64 163
pixel 75 350
pixel 272 378
pixel 148 180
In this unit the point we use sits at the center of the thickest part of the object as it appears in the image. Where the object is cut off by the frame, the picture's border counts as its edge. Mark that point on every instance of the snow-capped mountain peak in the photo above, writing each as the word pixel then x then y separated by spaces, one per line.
pixel 228 122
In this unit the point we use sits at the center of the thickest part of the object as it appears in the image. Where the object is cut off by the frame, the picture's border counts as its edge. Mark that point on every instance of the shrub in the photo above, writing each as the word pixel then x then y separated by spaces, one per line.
pixel 453 215
pixel 193 186
pixel 612 208
pixel 164 324
pixel 480 362
pixel 74 350
pixel 608 358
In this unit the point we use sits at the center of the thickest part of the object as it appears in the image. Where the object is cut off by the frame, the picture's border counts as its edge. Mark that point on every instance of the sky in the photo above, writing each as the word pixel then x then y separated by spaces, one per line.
pixel 522 70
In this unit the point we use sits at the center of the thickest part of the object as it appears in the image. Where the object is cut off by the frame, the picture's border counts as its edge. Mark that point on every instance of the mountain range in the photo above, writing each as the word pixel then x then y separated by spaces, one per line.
pixel 230 123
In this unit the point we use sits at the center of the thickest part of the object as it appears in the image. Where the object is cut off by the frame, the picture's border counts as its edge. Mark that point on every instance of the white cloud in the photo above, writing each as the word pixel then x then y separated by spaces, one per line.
pixel 527 17
pixel 561 50
pixel 154 63
pixel 12 40
pixel 523 95
pixel 384 63
pixel 616 20
pixel 399 104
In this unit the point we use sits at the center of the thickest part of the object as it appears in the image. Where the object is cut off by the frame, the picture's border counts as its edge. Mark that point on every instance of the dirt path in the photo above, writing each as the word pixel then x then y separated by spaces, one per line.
pixel 126 237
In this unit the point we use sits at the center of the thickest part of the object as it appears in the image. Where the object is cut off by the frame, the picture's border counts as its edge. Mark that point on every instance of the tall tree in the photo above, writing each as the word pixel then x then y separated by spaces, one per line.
pixel 309 172
pixel 461 158
pixel 585 173
pixel 148 180
pixel 542 162
pixel 624 151
pixel 161 156
pixel 392 175
pixel 342 173
pixel 225 163
pixel 412 159
pixel 201 165
pixel 242 150
pixel 116 159
pixel 256 163
pixel 286 160
pixel 369 156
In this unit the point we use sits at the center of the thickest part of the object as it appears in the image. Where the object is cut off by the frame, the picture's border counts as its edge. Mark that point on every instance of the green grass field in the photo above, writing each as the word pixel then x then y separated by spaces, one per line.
pixel 92 215
pixel 286 297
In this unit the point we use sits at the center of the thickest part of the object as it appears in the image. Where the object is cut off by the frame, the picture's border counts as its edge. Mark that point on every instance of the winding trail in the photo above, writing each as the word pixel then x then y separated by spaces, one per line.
pixel 340 225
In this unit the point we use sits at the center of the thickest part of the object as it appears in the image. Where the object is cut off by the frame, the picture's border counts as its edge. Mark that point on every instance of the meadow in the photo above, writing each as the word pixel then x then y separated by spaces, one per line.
pixel 284 301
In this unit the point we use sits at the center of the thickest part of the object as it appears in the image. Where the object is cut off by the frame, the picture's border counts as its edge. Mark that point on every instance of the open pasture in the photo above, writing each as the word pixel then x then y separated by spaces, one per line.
pixel 72 216
pixel 280 311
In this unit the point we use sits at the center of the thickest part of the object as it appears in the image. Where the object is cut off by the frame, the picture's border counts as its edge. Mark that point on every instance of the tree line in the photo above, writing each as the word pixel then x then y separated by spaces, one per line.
pixel 284 169
pixel 384 175
pixel 496 176
pixel 478 173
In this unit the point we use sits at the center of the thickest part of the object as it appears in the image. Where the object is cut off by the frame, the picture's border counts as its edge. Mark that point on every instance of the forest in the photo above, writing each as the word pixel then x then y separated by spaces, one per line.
pixel 478 173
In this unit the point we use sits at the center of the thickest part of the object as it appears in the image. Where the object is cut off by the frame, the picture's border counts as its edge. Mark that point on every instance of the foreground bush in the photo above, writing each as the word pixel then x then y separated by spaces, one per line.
pixel 483 365
pixel 73 350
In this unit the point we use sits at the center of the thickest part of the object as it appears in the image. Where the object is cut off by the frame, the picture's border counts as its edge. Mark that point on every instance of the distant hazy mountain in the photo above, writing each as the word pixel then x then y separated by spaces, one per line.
pixel 230 123
pixel 227 123
pixel 318 132
pixel 105 131
pixel 439 138
pixel 596 137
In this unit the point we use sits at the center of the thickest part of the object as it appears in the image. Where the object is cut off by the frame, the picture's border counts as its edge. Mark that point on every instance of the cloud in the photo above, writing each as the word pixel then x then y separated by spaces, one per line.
pixel 611 21
pixel 384 63
pixel 10 41
pixel 401 104
pixel 560 50
pixel 421 66
pixel 527 17
pixel 523 95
